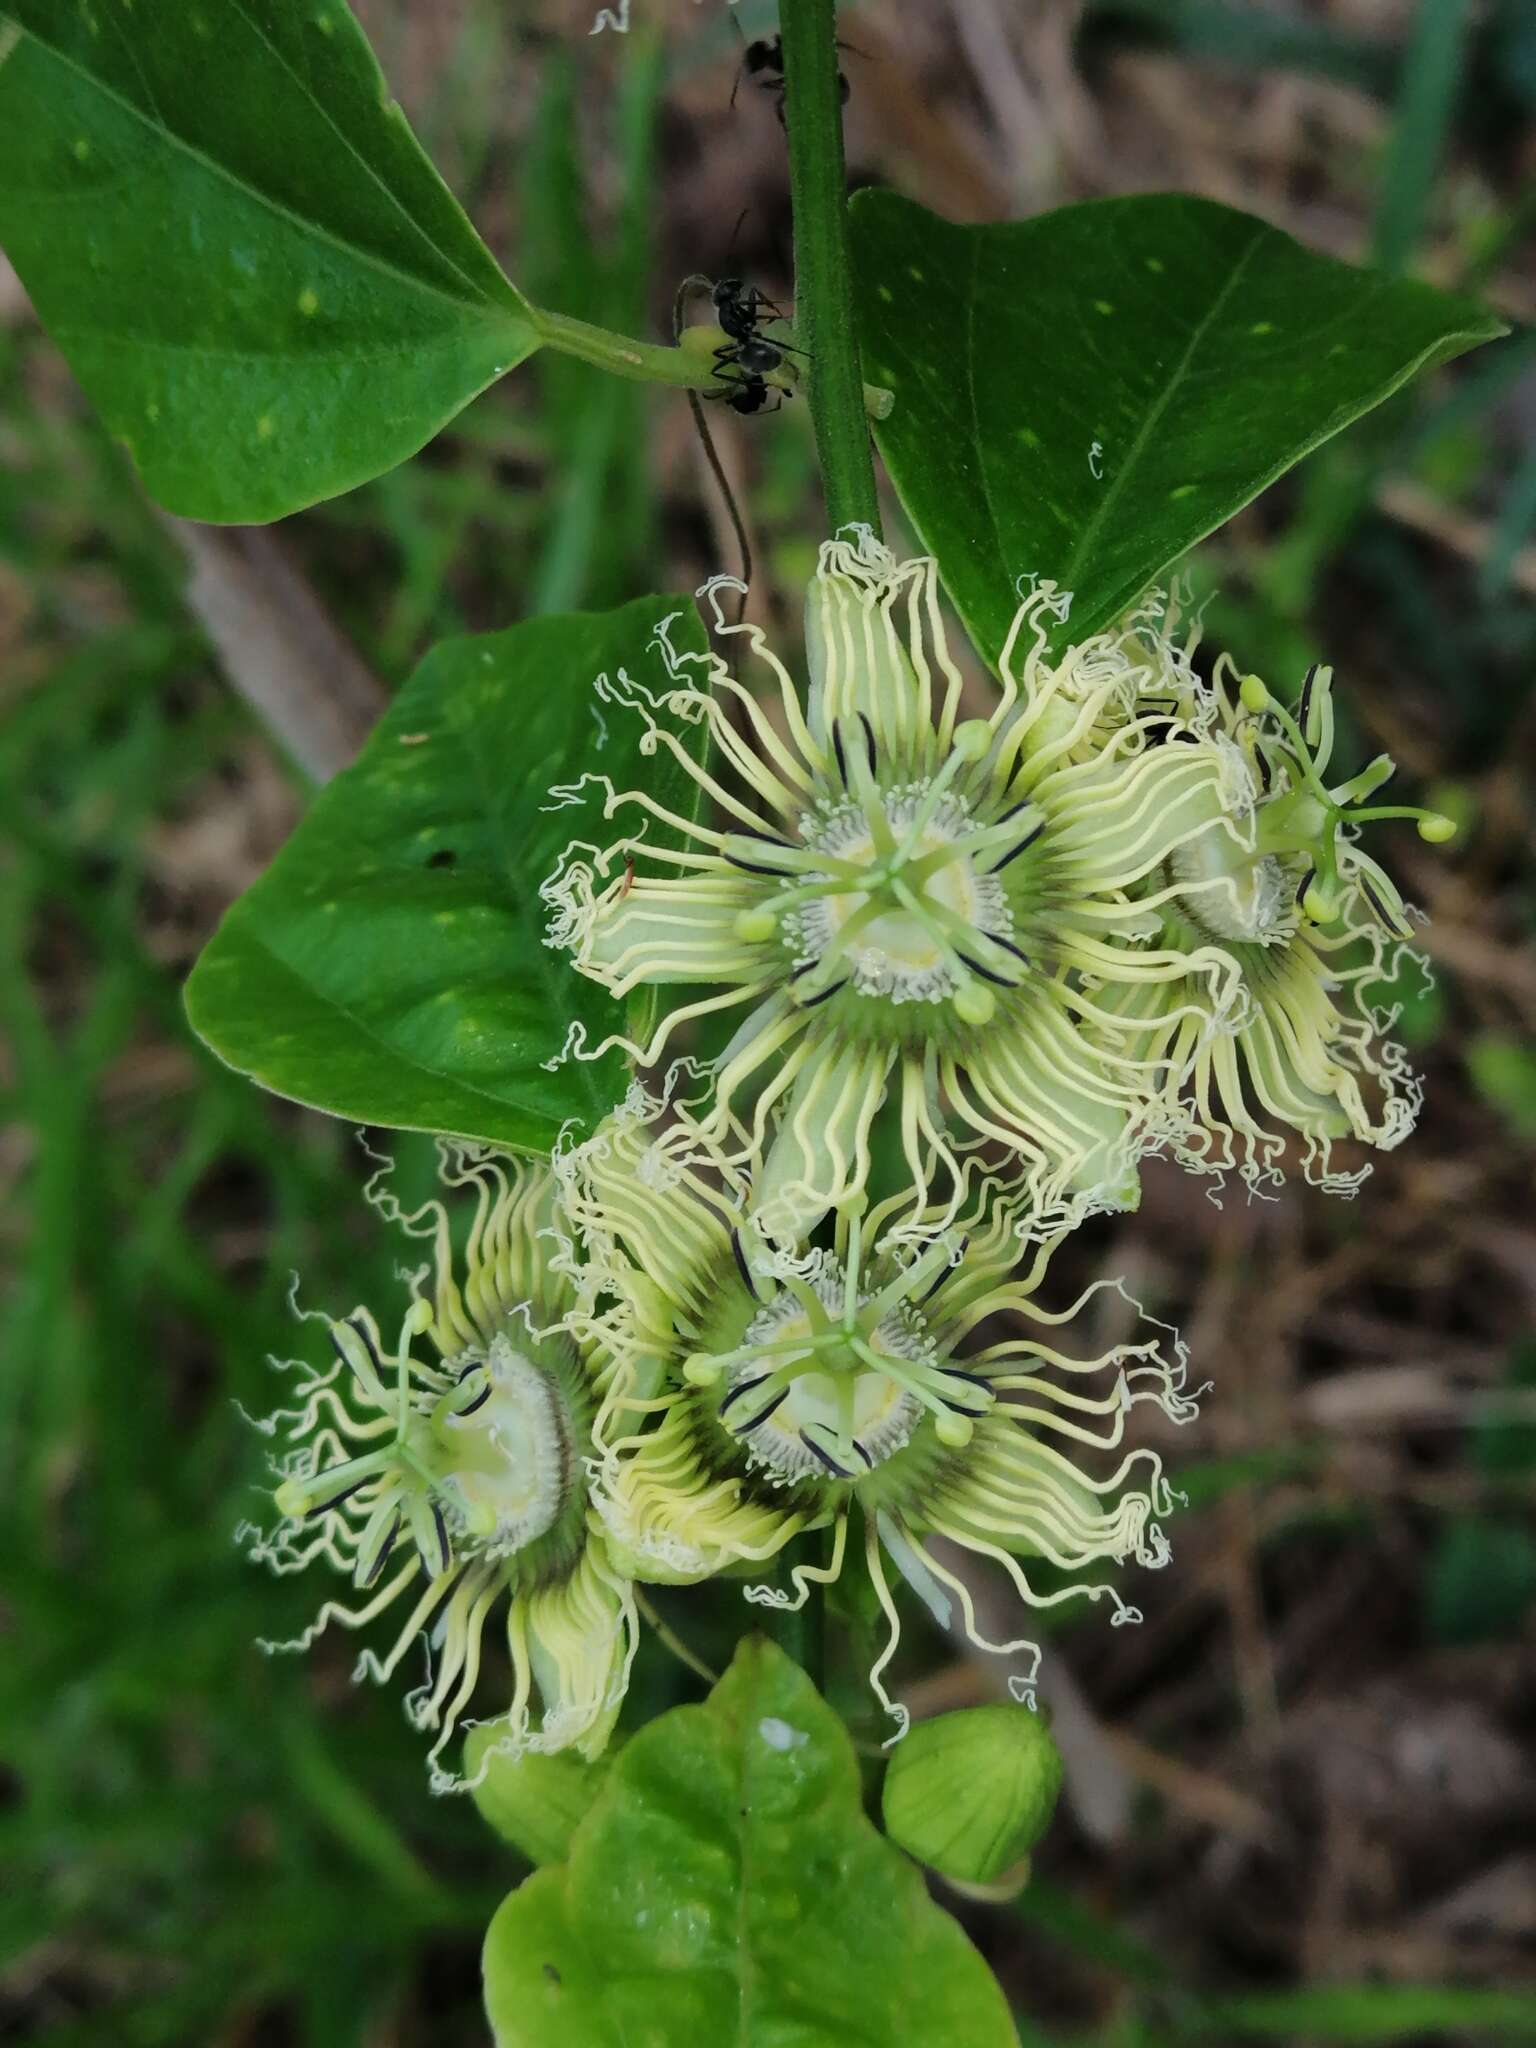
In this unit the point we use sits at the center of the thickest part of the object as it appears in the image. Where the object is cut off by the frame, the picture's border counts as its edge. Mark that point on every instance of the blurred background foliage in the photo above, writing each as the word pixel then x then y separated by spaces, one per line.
pixel 1300 1798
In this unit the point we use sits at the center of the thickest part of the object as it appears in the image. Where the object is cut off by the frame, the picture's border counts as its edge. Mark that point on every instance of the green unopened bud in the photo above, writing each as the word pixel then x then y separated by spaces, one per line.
pixel 534 1801
pixel 970 1793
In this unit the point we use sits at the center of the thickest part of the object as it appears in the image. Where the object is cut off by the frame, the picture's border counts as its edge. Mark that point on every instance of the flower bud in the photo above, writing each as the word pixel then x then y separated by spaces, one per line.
pixel 970 1793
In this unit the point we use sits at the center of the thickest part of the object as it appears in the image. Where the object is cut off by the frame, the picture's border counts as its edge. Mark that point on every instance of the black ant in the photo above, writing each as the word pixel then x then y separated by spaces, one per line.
pixel 741 364
pixel 763 63
pixel 747 356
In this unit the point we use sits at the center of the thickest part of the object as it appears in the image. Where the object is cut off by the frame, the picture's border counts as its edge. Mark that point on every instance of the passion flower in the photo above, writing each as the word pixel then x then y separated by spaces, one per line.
pixel 447 1479
pixel 1315 934
pixel 764 1394
pixel 909 905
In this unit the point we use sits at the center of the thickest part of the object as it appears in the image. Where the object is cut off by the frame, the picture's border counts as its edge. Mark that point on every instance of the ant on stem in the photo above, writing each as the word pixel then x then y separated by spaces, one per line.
pixel 763 63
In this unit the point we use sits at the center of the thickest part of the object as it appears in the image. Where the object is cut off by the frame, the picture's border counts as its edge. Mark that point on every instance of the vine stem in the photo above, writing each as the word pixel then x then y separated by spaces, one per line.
pixel 824 322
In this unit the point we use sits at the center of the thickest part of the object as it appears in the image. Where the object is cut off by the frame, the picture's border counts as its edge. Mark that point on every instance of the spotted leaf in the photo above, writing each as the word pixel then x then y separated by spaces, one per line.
pixel 726 1886
pixel 1083 395
pixel 229 229
pixel 390 966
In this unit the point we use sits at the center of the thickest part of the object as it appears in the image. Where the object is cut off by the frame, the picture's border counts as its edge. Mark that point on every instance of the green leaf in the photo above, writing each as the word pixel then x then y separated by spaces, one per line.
pixel 390 966
pixel 726 1887
pixel 226 224
pixel 533 1801
pixel 1084 395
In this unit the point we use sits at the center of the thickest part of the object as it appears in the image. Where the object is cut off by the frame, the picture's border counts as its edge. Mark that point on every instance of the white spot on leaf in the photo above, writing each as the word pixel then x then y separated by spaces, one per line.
pixel 779 1735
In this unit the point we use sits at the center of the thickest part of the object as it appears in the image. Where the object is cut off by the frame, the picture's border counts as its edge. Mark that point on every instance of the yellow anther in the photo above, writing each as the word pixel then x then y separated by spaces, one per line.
pixel 292 1499
pixel 1319 905
pixel 1254 694
pixel 752 927
pixel 972 739
pixel 973 1003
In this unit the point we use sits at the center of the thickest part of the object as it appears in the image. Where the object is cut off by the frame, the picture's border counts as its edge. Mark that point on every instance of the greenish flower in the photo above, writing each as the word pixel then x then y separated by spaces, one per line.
pixel 1314 931
pixel 761 1394
pixel 909 905
pixel 452 1485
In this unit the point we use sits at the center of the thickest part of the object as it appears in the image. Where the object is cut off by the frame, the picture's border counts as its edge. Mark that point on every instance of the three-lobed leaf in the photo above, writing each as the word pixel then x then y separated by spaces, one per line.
pixel 390 966
pixel 726 1887
pixel 226 224
pixel 1084 395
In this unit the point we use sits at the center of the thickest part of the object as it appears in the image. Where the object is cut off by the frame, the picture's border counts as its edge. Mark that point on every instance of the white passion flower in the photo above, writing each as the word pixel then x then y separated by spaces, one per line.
pixel 447 1479
pixel 889 1397
pixel 908 904
pixel 1315 932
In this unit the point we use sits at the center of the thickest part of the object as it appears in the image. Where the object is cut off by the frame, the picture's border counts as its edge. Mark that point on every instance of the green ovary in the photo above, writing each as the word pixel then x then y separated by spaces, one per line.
pixel 825 1383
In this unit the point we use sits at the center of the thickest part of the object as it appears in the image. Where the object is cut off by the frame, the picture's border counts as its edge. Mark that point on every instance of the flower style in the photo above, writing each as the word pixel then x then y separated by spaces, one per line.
pixel 913 904
pixel 760 1394
pixel 1315 933
pixel 466 1473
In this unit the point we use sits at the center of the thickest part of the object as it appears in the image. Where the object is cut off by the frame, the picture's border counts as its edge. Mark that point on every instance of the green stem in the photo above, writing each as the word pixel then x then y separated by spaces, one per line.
pixel 687 369
pixel 813 116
